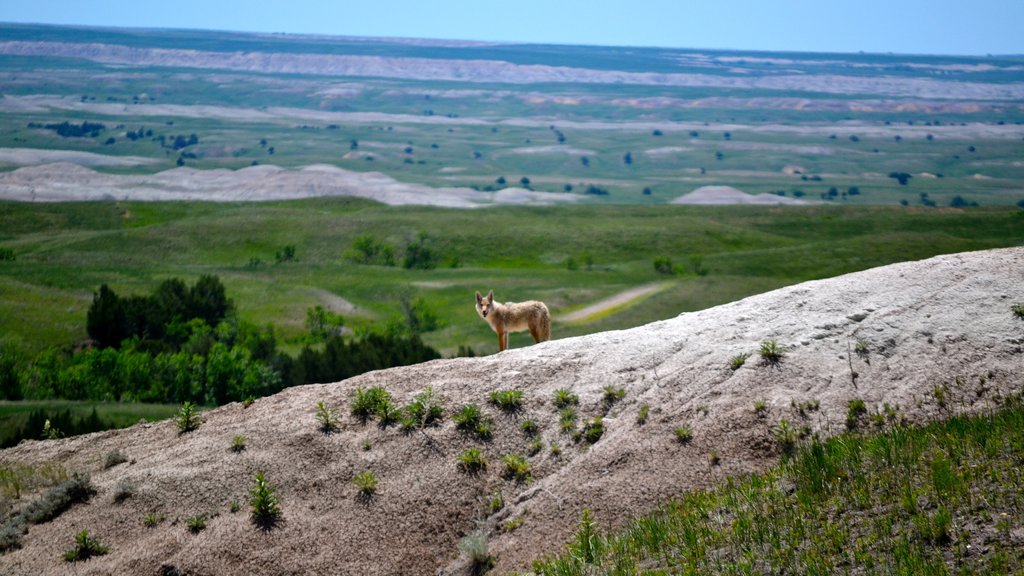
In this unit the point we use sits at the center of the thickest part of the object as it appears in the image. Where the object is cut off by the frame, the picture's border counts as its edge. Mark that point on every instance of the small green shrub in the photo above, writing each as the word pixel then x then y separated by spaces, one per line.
pixel 507 400
pixel 714 458
pixel 564 398
pixel 1018 311
pixel 771 353
pixel 683 434
pixel 152 519
pixel 567 419
pixel 529 427
pixel 123 491
pixel 325 418
pixel 238 443
pixel 855 409
pixel 474 547
pixel 86 547
pixel 248 401
pixel 196 524
pixel 234 506
pixel 534 447
pixel 472 461
pixel 611 395
pixel 114 457
pixel 516 468
pixel 471 420
pixel 513 524
pixel 737 361
pixel 786 436
pixel 760 408
pixel 861 348
pixel 592 430
pixel 366 483
pixel 643 413
pixel 366 403
pixel 264 503
pixel 58 499
pixel 495 502
pixel 187 418
pixel 424 411
pixel 556 450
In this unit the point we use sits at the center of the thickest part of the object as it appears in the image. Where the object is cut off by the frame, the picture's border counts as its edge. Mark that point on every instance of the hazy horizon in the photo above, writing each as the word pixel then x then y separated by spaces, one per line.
pixel 913 27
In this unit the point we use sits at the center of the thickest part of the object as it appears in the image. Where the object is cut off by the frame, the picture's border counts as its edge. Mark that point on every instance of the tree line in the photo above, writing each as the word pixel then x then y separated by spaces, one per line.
pixel 187 343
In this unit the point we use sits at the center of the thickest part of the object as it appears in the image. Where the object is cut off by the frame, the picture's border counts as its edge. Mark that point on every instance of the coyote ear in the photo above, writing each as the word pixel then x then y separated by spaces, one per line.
pixel 490 296
pixel 479 298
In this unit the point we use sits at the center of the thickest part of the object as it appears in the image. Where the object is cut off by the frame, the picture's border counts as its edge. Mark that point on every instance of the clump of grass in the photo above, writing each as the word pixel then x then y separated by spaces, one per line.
pixel 737 361
pixel 507 400
pixel 325 418
pixel 196 524
pixel 1018 311
pixel 802 408
pixel 862 348
pixel 265 505
pixel 567 419
pixel 786 436
pixel 152 519
pixel 474 547
pixel 683 434
pixel 238 443
pixel 366 484
pixel 760 408
pixel 534 447
pixel 234 506
pixel 516 468
pixel 714 458
pixel 471 420
pixel 424 411
pixel 187 418
pixel 86 547
pixel 854 410
pixel 564 398
pixel 529 428
pixel 610 395
pixel 513 524
pixel 114 457
pixel 248 401
pixel 771 353
pixel 472 461
pixel 556 450
pixel 367 402
pixel 643 413
pixel 592 430
pixel 495 502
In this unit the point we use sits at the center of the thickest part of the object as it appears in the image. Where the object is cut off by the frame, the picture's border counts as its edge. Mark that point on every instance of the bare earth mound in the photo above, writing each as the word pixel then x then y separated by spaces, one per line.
pixel 63 182
pixel 944 321
pixel 718 195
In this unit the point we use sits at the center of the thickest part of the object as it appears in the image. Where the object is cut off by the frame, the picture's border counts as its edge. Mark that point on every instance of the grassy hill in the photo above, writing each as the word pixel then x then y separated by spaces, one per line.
pixel 569 257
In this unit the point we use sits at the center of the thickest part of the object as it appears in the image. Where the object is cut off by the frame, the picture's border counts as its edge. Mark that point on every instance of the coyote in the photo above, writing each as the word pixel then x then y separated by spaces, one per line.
pixel 514 317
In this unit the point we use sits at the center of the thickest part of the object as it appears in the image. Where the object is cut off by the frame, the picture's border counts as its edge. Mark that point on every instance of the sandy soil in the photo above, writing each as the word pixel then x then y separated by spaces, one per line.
pixel 34 156
pixel 716 195
pixel 64 182
pixel 505 72
pixel 943 321
pixel 620 299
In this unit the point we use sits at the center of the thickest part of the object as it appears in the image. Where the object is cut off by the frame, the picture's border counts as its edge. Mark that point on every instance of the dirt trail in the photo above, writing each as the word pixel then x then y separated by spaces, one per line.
pixel 620 299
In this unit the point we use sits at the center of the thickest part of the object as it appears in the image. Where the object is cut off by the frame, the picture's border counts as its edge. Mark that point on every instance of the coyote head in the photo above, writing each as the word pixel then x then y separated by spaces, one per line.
pixel 484 305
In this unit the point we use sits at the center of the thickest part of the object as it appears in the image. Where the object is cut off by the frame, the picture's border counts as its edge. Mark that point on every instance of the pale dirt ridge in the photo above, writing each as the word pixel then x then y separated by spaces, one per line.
pixel 942 321
pixel 63 181
pixel 720 195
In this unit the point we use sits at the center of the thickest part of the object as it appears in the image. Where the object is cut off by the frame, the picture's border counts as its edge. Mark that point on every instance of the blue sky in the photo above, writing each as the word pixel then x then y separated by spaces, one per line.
pixel 976 27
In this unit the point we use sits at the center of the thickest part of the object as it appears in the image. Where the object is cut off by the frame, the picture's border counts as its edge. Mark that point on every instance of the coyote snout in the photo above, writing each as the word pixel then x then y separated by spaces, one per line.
pixel 514 317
